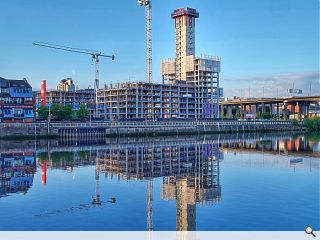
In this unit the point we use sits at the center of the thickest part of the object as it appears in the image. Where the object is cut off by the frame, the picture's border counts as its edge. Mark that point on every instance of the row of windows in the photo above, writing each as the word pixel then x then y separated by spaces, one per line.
pixel 16 111
pixel 4 90
pixel 21 90
pixel 15 100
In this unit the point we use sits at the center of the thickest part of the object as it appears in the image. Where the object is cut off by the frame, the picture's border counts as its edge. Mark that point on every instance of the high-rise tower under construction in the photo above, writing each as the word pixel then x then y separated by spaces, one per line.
pixel 189 89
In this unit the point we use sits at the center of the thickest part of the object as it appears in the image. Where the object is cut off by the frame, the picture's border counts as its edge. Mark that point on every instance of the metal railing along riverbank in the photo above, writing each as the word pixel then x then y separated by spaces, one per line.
pixel 146 124
pixel 85 130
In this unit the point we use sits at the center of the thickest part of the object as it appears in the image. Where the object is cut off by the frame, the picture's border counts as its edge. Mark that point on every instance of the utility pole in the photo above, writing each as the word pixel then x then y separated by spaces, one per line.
pixel 310 89
pixel 49 113
pixel 293 88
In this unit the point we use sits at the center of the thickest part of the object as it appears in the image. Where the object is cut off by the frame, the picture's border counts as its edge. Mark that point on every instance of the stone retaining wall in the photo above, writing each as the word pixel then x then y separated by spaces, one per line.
pixel 29 130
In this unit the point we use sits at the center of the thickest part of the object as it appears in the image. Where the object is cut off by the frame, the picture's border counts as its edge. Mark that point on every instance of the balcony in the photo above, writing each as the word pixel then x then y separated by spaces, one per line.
pixel 28 102
pixel 29 115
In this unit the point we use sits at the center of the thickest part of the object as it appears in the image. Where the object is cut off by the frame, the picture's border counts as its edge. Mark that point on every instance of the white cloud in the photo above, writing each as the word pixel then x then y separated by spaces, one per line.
pixel 73 72
pixel 270 85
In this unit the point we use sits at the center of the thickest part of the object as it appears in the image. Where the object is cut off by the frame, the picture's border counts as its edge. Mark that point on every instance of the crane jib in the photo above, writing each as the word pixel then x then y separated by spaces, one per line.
pixel 94 54
pixel 71 49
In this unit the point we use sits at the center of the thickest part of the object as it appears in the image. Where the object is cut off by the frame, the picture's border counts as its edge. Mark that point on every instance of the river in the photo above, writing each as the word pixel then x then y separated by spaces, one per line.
pixel 205 183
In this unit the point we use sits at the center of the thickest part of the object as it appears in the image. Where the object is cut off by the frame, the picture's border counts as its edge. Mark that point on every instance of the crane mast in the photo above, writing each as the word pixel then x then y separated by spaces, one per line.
pixel 148 6
pixel 95 58
pixel 149 42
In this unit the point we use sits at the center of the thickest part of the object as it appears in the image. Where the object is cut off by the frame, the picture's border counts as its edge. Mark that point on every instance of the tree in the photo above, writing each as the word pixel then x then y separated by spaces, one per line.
pixel 83 112
pixel 67 112
pixel 224 112
pixel 43 113
pixel 234 112
pixel 266 115
pixel 60 112
pixel 313 124
pixel 56 112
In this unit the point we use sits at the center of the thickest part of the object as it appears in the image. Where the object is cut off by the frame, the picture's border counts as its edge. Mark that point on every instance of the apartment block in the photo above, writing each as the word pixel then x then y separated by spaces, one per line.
pixel 147 101
pixel 66 85
pixel 16 102
pixel 66 94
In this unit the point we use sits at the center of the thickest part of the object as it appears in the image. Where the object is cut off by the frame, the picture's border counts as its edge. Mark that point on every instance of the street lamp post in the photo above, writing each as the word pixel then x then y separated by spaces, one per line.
pixel 49 114
pixel 89 114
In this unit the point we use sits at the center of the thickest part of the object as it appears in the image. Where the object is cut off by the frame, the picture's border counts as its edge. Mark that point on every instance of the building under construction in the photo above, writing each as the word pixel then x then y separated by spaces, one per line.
pixel 66 94
pixel 189 88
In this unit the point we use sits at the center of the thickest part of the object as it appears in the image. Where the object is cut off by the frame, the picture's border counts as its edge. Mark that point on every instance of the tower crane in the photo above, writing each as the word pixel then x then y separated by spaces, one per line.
pixel 147 5
pixel 94 55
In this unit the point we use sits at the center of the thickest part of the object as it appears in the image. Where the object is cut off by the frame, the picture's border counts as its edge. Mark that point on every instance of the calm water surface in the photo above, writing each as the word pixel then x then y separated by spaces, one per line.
pixel 226 182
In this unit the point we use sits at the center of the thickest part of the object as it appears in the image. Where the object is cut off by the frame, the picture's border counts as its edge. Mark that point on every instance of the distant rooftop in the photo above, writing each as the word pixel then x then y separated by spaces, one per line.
pixel 14 83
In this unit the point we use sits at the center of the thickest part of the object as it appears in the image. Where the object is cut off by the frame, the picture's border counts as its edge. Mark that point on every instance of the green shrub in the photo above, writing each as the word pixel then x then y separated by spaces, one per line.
pixel 313 124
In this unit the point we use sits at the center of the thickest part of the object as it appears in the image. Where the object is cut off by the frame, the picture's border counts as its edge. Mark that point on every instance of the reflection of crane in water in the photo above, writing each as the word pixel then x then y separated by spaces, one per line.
pixel 149 193
pixel 96 198
pixel 149 205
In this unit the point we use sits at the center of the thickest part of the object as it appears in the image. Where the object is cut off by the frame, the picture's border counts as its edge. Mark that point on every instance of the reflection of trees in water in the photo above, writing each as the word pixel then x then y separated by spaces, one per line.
pixel 297 144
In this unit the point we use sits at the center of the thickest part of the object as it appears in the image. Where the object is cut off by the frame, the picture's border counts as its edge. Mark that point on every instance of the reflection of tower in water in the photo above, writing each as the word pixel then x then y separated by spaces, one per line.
pixel 96 198
pixel 190 173
pixel 200 185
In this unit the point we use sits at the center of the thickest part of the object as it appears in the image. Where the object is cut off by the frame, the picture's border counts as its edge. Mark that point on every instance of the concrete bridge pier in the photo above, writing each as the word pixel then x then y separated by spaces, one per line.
pixel 263 107
pixel 285 111
pixel 229 112
pixel 278 112
pixel 241 111
pixel 297 111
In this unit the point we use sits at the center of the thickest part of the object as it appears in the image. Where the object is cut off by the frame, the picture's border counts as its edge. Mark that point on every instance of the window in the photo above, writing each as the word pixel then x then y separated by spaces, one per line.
pixel 18 111
pixel 7 111
pixel 28 112
pixel 8 100
pixel 4 90
pixel 17 100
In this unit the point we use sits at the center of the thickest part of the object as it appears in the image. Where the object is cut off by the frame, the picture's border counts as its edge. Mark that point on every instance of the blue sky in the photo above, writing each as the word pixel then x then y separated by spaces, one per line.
pixel 263 44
